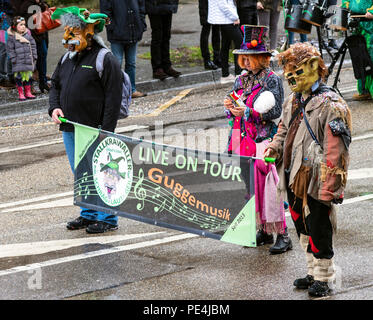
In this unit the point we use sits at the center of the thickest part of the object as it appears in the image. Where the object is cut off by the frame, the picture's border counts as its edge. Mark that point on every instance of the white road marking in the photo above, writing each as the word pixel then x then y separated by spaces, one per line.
pixel 42 198
pixel 358 199
pixel 66 202
pixel 32 248
pixel 97 253
pixel 31 146
pixel 362 137
pixel 362 173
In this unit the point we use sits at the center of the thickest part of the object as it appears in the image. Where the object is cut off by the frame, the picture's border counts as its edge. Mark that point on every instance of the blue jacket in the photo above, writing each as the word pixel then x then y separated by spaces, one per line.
pixel 127 20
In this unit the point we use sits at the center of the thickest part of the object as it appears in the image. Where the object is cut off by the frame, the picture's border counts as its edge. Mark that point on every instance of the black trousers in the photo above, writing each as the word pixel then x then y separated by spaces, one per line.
pixel 230 33
pixel 160 43
pixel 215 40
pixel 317 225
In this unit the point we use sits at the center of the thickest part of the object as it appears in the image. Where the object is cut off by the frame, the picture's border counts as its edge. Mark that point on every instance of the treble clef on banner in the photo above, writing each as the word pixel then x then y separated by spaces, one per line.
pixel 140 192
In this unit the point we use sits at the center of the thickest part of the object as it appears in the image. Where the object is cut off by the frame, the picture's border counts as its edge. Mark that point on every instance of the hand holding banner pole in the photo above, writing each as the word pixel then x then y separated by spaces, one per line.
pixel 266 159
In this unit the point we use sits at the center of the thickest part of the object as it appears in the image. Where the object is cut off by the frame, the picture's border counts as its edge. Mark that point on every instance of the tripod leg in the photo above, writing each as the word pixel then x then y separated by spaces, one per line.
pixel 321 45
pixel 336 79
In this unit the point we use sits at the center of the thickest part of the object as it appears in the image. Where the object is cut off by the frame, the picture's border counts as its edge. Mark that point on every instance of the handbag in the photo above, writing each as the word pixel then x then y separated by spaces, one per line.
pixel 43 21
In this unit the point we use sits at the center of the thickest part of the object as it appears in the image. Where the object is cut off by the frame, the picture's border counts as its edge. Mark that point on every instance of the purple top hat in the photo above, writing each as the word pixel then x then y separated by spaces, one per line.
pixel 254 40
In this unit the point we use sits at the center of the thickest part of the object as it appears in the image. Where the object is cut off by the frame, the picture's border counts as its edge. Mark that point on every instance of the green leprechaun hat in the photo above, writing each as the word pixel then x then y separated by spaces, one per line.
pixel 84 15
pixel 113 164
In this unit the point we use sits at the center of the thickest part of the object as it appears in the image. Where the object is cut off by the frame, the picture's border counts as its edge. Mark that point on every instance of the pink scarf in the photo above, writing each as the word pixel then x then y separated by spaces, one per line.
pixel 270 211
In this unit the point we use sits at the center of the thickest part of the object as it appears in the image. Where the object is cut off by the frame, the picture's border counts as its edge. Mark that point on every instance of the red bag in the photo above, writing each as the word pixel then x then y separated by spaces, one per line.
pixel 246 148
pixel 43 21
pixel 241 142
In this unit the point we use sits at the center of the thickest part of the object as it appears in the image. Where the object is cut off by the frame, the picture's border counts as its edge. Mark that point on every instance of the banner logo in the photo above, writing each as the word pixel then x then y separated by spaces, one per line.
pixel 112 171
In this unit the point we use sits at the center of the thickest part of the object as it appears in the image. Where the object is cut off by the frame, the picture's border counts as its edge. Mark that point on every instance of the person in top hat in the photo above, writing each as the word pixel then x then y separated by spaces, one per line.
pixel 262 94
pixel 80 94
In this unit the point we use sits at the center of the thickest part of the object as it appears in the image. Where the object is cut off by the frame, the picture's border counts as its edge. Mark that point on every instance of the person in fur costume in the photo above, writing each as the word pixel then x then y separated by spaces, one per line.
pixel 253 126
pixel 312 149
pixel 80 94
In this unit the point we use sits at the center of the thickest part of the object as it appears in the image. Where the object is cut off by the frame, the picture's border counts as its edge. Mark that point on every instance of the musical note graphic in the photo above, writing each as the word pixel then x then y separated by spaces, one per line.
pixel 161 207
pixel 140 192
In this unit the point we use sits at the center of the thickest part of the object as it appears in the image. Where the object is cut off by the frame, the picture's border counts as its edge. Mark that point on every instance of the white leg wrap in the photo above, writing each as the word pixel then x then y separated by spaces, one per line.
pixel 324 269
pixel 304 240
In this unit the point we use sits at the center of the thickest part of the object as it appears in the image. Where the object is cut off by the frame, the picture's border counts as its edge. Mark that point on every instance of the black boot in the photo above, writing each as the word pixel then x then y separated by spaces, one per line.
pixel 319 289
pixel 79 223
pixel 283 244
pixel 304 283
pixel 44 86
pixel 263 238
pixel 209 65
pixel 172 72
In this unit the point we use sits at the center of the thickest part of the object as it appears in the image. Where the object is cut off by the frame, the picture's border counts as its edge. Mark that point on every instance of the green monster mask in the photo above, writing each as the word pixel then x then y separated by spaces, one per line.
pixel 303 76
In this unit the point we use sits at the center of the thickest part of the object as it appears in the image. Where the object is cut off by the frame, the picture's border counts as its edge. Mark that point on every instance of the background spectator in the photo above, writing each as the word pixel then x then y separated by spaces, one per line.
pixel 224 14
pixel 124 32
pixel 160 17
pixel 204 39
pixel 269 14
pixel 22 9
pixel 6 15
pixel 21 49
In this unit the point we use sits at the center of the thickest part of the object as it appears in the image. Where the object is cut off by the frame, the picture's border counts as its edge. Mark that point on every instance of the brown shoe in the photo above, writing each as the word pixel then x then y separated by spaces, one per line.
pixel 138 94
pixel 361 97
pixel 6 84
pixel 159 74
pixel 172 72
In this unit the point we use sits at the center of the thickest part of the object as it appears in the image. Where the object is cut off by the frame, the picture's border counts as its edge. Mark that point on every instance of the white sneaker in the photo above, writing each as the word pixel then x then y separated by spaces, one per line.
pixel 228 79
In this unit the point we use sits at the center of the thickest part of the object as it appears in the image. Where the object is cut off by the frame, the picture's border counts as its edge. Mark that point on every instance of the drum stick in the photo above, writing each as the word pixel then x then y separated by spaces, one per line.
pixel 358 16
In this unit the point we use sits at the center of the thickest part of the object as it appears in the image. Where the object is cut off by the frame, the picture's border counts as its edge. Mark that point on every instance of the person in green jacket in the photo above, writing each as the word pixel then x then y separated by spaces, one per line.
pixel 365 28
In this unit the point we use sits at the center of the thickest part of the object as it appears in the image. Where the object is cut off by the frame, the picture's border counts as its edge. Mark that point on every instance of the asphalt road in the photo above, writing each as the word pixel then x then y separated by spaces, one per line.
pixel 41 259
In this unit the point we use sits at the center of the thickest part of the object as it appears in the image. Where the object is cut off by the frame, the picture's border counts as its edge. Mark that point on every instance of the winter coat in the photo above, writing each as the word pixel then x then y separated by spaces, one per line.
pixel 161 6
pixel 21 50
pixel 222 12
pixel 329 118
pixel 82 95
pixel 263 95
pixel 127 20
pixel 246 4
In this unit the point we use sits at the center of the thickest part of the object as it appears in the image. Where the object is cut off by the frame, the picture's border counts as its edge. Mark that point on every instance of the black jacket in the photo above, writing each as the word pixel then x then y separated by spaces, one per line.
pixel 82 95
pixel 246 3
pixel 203 7
pixel 127 20
pixel 161 6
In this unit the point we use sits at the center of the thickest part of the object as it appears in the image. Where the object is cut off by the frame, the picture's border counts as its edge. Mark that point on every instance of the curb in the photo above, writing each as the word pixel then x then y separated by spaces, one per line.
pixel 28 107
